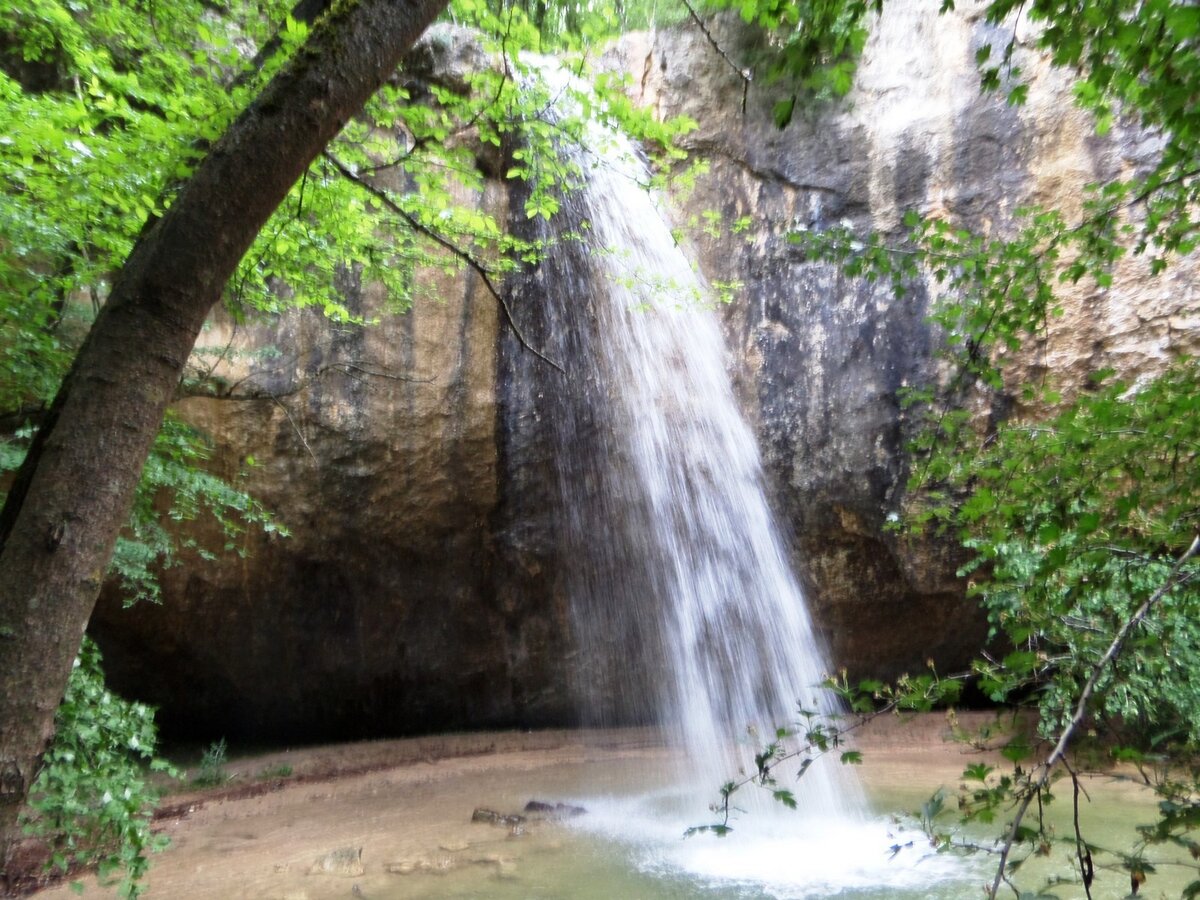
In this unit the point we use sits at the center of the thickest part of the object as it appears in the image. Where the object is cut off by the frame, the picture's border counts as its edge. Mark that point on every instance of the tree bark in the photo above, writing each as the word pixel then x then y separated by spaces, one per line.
pixel 74 492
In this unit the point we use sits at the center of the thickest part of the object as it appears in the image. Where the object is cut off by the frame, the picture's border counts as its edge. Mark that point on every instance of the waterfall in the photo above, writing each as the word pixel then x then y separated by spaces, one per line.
pixel 636 493
pixel 683 602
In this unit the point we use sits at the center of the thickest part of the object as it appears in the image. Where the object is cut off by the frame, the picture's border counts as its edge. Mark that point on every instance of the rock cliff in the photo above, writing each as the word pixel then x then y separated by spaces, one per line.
pixel 375 446
pixel 820 358
pixel 420 589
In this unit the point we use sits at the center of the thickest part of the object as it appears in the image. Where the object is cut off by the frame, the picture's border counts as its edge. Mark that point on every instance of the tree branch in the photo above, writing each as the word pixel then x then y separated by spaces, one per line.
pixel 210 387
pixel 419 143
pixel 1083 853
pixel 745 74
pixel 296 428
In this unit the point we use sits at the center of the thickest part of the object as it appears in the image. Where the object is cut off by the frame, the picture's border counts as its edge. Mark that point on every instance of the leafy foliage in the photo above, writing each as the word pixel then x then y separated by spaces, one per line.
pixel 91 799
pixel 174 488
pixel 114 88
pixel 84 90
pixel 1076 521
pixel 1081 523
pixel 88 88
pixel 211 772
pixel 110 90
pixel 572 25
pixel 814 735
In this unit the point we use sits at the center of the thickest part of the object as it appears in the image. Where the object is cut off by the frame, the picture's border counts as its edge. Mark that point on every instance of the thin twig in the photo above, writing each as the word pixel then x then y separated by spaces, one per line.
pixel 1081 709
pixel 420 142
pixel 1083 853
pixel 350 368
pixel 255 392
pixel 809 750
pixel 745 74
pixel 296 428
pixel 220 357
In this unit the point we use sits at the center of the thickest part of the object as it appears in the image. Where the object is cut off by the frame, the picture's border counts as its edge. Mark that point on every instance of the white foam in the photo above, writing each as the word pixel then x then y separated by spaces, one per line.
pixel 782 853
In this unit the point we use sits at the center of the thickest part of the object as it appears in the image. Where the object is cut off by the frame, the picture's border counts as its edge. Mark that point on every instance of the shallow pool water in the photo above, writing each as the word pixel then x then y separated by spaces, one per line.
pixel 413 826
pixel 630 844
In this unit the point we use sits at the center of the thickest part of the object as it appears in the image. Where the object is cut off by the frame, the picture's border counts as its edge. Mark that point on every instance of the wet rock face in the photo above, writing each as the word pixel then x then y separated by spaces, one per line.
pixel 376 448
pixel 819 358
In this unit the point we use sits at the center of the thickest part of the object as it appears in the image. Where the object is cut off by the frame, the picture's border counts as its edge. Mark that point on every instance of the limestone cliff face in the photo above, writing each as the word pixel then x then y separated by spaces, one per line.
pixel 420 589
pixel 375 447
pixel 820 358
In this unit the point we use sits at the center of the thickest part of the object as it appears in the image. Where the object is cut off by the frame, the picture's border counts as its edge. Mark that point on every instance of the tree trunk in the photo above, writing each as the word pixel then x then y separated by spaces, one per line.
pixel 74 492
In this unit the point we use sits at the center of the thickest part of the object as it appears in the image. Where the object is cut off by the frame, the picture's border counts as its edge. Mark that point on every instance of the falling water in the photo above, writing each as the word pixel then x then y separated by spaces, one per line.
pixel 686 614
pixel 684 603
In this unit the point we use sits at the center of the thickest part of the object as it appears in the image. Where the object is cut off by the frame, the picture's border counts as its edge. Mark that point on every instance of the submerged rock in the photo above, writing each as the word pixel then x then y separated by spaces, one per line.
pixel 441 863
pixel 436 864
pixel 491 817
pixel 345 861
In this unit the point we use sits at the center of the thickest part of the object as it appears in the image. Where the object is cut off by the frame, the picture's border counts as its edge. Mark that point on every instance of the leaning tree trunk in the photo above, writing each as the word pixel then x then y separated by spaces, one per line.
pixel 74 492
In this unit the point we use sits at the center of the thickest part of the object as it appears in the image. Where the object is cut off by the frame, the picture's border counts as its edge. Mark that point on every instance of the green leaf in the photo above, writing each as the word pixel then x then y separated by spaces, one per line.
pixel 1049 533
pixel 1183 21
pixel 978 772
pixel 787 798
pixel 782 111
pixel 1016 750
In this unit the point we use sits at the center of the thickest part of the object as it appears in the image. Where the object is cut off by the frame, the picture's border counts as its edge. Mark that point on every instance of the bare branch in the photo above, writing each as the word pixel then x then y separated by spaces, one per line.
pixel 418 143
pixel 296 428
pixel 1083 853
pixel 350 368
pixel 745 74
pixel 220 357
pixel 205 386
pixel 808 751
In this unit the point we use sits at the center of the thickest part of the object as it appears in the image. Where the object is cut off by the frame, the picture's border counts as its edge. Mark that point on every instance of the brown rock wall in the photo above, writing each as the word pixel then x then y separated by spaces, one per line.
pixel 376 447
pixel 819 358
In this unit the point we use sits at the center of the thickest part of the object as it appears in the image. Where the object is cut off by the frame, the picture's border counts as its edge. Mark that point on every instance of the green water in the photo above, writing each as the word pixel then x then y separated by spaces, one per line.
pixel 630 846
